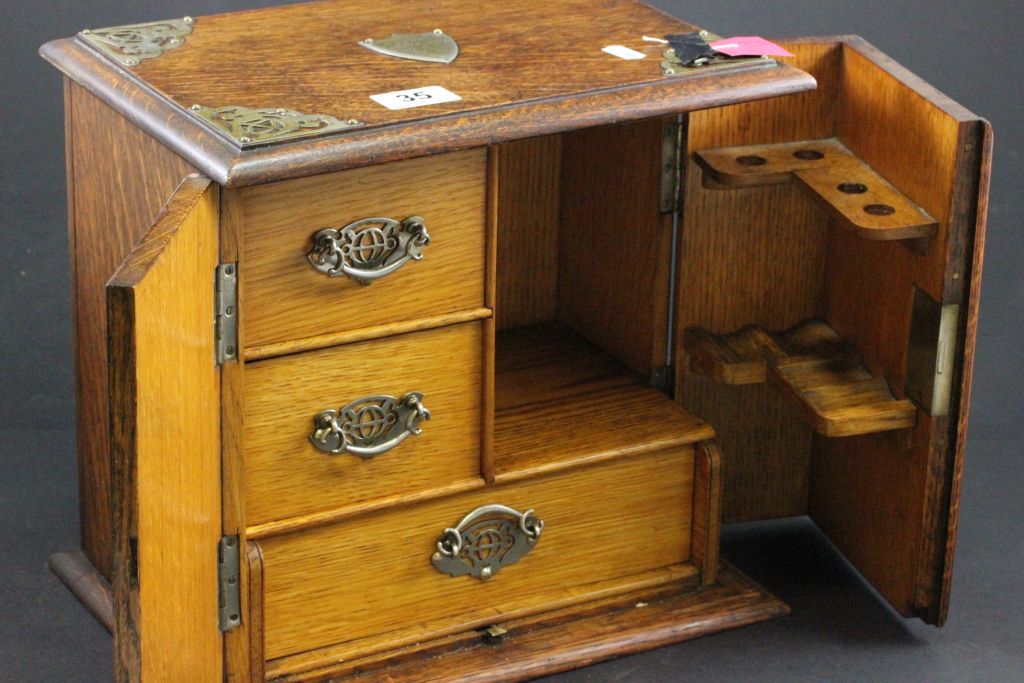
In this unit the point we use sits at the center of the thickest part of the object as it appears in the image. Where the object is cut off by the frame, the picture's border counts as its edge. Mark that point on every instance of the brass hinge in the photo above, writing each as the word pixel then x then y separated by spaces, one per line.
pixel 229 602
pixel 226 303
pixel 672 142
pixel 931 355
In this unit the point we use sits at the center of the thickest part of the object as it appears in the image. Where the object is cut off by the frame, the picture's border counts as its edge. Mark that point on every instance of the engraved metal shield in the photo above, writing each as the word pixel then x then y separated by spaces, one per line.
pixel 436 46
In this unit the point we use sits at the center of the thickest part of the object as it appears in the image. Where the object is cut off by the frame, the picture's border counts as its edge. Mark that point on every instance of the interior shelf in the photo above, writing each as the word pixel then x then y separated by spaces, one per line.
pixel 849 189
pixel 810 365
pixel 560 400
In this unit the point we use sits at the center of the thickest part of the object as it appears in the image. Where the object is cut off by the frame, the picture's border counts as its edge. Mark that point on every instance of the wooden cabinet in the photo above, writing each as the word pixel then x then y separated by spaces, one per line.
pixel 466 389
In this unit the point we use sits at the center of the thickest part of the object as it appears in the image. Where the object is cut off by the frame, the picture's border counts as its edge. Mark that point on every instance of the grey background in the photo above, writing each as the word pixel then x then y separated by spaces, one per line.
pixel 839 630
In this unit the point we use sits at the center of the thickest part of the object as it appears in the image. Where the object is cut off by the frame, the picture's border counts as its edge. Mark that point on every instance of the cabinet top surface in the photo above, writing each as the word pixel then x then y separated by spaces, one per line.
pixel 194 83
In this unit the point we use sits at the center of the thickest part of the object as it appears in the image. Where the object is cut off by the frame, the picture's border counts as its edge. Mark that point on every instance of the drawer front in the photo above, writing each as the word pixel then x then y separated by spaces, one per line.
pixel 383 272
pixel 372 450
pixel 375 574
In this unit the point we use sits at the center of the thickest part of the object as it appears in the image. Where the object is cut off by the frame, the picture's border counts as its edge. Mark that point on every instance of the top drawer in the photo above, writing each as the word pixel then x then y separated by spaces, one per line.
pixel 285 298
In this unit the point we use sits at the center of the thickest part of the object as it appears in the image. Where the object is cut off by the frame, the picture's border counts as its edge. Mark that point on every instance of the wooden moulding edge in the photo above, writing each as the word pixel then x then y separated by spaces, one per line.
pixel 230 166
pixel 565 639
pixel 92 589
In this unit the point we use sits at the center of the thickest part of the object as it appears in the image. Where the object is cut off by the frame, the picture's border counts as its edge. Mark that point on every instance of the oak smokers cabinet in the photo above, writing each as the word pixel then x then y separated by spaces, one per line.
pixel 466 389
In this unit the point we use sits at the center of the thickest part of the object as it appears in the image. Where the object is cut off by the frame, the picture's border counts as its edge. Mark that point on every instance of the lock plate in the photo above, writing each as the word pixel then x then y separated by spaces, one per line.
pixel 931 354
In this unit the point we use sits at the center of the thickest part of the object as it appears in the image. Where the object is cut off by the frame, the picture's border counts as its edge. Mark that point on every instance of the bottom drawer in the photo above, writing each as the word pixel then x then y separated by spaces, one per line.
pixel 375 575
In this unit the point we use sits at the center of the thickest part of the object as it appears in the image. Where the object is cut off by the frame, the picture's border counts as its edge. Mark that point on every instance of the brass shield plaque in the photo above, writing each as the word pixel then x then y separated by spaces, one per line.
pixel 436 46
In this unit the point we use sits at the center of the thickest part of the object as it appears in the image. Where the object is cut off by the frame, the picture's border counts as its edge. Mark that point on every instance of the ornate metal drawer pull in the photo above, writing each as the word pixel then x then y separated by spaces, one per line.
pixel 487 539
pixel 369 426
pixel 368 249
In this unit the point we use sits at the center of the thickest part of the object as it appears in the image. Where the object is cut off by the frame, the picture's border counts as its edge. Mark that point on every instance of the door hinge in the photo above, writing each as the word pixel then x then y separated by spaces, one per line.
pixel 672 141
pixel 229 603
pixel 226 303
pixel 931 353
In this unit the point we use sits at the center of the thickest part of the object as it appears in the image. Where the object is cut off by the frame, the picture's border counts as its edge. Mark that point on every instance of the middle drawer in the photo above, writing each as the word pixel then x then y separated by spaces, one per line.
pixel 289 474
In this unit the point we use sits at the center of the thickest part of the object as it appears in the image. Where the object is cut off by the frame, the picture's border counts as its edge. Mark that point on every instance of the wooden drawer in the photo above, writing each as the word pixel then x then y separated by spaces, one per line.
pixel 287 476
pixel 607 528
pixel 285 298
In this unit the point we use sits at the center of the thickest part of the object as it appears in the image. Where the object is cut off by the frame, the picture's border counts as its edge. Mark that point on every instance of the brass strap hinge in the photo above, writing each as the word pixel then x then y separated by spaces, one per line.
pixel 226 304
pixel 229 602
pixel 672 159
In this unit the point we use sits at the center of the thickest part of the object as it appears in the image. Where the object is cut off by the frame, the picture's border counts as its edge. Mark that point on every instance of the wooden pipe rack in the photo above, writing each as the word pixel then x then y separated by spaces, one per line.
pixel 813 367
pixel 851 191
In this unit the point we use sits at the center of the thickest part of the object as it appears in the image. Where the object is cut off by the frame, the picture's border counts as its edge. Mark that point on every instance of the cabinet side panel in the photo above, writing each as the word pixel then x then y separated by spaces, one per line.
pixel 614 247
pixel 527 250
pixel 755 255
pixel 120 179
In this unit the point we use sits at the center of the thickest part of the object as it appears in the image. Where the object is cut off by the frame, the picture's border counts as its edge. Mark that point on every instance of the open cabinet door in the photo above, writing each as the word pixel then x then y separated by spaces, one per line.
pixel 829 275
pixel 165 434
pixel 890 500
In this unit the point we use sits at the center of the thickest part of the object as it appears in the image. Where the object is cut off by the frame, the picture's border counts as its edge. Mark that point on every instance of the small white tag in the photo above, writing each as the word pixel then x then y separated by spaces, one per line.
pixel 415 97
pixel 623 52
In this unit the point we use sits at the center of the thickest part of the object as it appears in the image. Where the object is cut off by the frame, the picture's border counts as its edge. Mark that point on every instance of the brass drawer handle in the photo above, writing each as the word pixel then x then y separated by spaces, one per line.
pixel 368 249
pixel 370 425
pixel 487 539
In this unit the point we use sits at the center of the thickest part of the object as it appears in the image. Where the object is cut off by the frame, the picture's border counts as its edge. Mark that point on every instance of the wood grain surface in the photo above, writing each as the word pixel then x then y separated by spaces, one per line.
pixel 286 476
pixel 813 368
pixel 839 397
pixel 614 248
pixel 893 511
pixel 329 72
pixel 856 197
pixel 972 203
pixel 165 429
pixel 287 299
pixel 707 511
pixel 755 256
pixel 523 85
pixel 119 180
pixel 248 663
pixel 743 356
pixel 238 641
pixel 528 196
pixel 373 575
pixel 324 341
pixel 559 640
pixel 561 401
pixel 887 500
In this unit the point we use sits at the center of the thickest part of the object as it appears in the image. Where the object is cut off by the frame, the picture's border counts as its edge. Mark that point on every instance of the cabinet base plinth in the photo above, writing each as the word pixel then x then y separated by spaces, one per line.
pixel 566 639
pixel 84 580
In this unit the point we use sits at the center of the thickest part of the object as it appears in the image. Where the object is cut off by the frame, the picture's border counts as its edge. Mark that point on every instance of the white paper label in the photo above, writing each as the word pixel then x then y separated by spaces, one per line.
pixel 415 97
pixel 623 52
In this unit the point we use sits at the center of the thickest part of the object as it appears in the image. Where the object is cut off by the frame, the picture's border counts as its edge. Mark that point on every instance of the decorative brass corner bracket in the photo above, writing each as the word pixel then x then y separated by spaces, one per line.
pixel 129 45
pixel 250 127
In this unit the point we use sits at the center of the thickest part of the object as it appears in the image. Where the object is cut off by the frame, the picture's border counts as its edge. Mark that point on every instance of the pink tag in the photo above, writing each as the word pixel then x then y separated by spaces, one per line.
pixel 749 46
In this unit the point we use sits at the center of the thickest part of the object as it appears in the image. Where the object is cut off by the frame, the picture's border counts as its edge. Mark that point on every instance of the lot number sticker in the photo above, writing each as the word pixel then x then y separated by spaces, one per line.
pixel 415 97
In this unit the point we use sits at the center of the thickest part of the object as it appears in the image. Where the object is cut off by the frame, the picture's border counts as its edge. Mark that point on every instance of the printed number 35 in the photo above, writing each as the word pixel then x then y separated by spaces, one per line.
pixel 412 97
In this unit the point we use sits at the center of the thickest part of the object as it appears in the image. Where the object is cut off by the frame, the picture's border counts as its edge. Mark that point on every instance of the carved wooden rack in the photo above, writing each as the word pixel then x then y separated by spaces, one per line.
pixel 813 367
pixel 850 190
